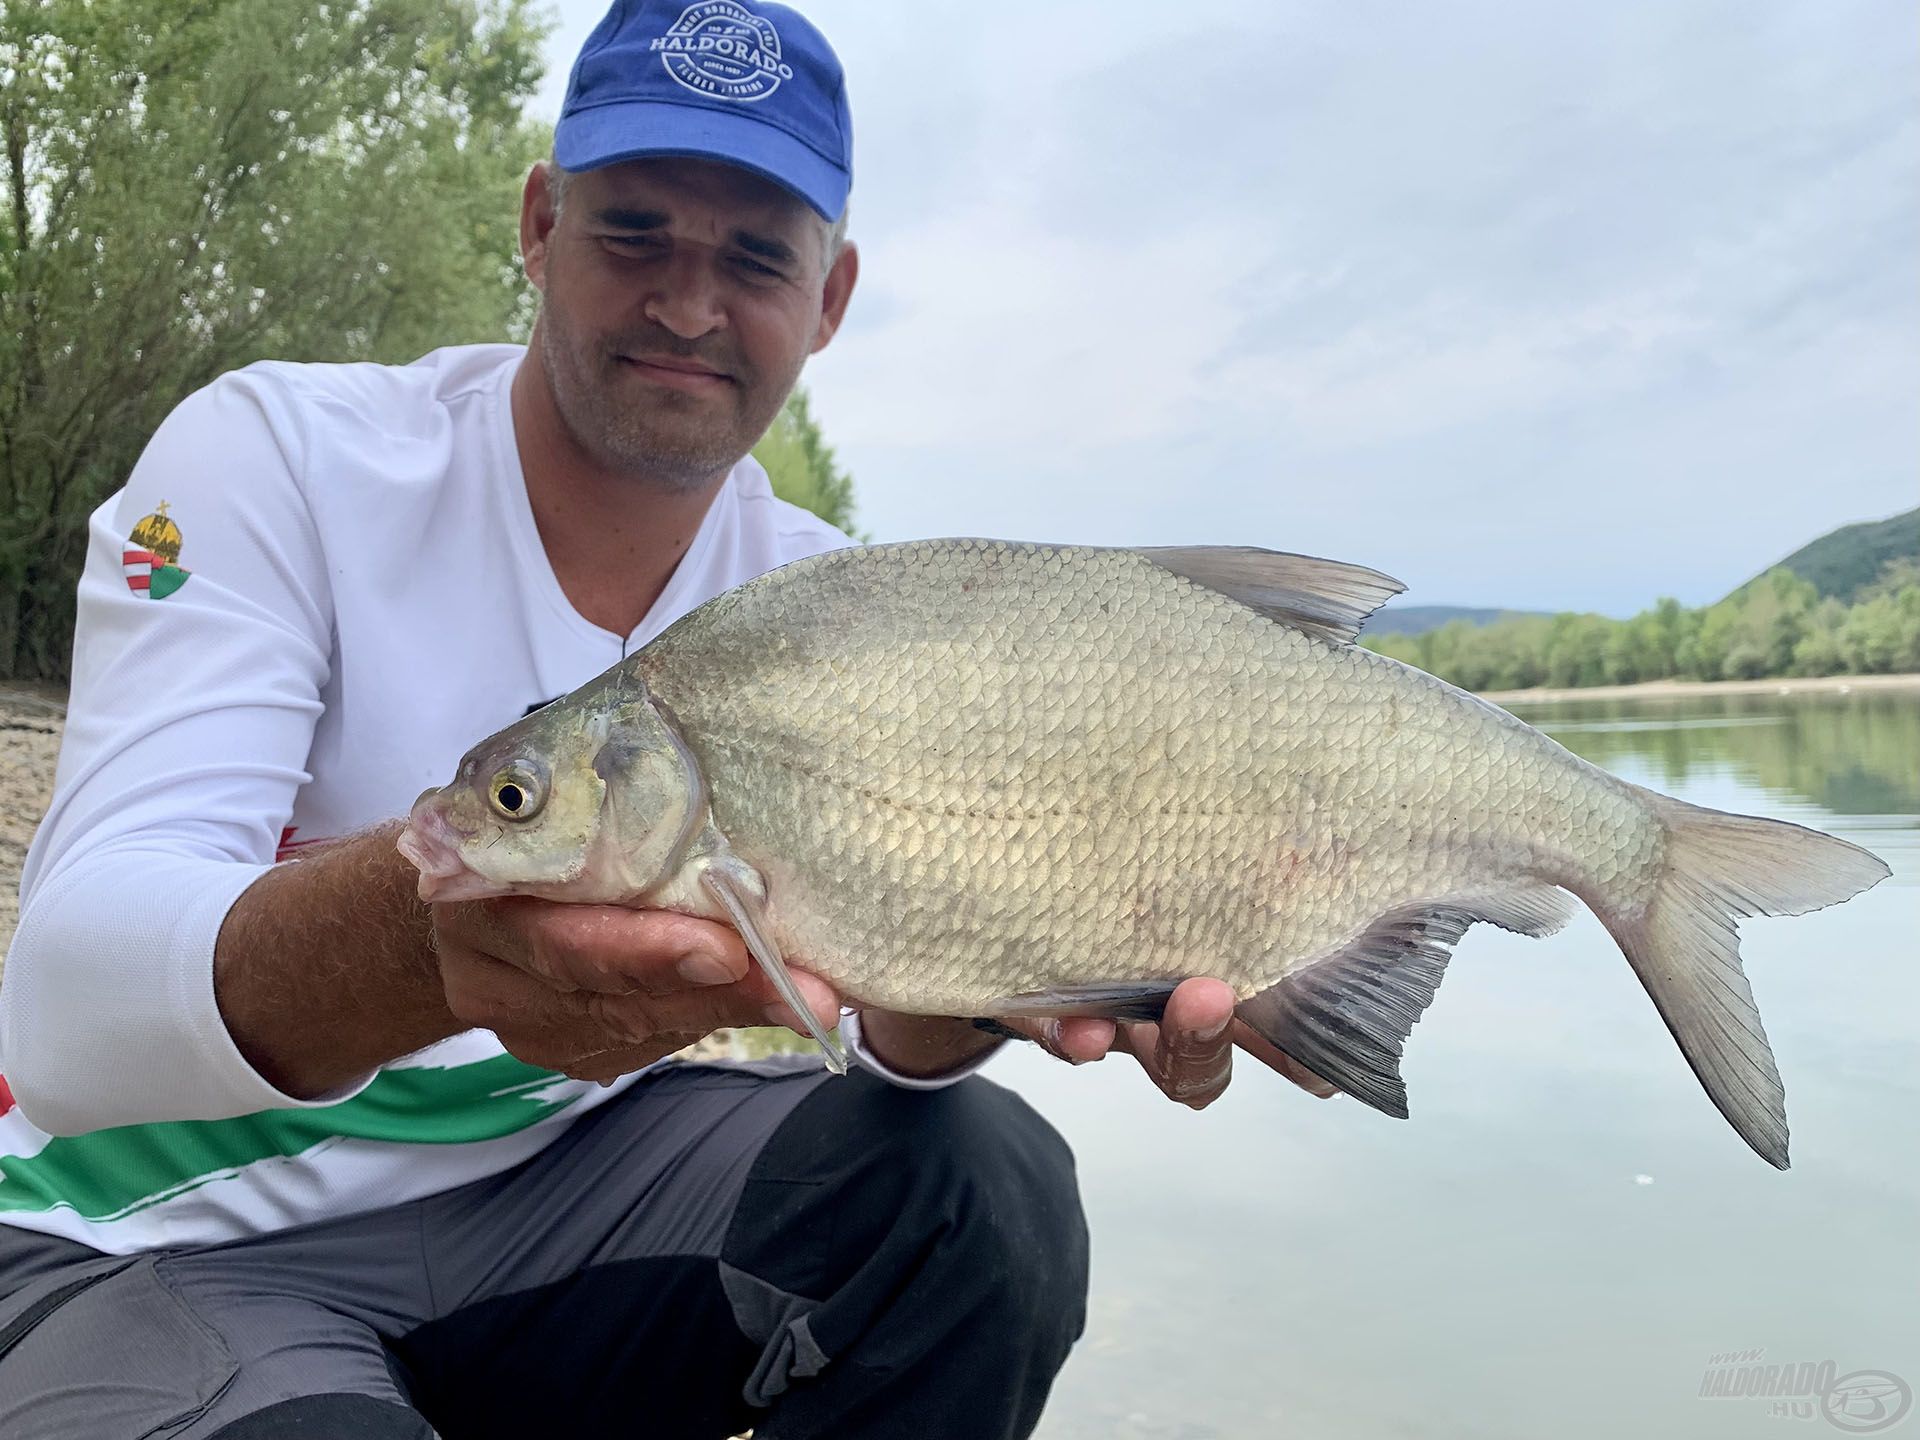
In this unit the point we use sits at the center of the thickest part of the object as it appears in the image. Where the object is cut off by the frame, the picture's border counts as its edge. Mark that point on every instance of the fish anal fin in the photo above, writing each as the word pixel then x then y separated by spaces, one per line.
pixel 1533 910
pixel 1325 598
pixel 1104 1000
pixel 1346 1016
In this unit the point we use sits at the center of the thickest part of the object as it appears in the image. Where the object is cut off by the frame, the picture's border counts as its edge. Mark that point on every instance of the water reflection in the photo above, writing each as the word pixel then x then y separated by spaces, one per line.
pixel 1853 754
pixel 1565 1233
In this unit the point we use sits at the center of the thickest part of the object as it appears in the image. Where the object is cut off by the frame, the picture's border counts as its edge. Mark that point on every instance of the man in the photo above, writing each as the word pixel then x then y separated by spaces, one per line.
pixel 296 1154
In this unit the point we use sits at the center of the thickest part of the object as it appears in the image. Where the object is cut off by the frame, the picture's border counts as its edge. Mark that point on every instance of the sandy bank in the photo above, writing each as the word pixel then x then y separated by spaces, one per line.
pixel 31 721
pixel 1675 689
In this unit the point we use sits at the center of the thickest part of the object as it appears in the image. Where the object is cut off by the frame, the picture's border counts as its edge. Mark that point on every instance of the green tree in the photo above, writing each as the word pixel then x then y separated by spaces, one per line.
pixel 1776 625
pixel 801 466
pixel 1818 651
pixel 196 184
pixel 1900 573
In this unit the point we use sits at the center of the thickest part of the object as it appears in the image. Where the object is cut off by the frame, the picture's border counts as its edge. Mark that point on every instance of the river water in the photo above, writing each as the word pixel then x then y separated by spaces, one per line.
pixel 1565 1235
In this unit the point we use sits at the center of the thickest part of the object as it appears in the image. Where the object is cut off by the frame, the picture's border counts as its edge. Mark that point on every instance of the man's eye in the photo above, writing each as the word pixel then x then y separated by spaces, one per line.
pixel 754 267
pixel 632 242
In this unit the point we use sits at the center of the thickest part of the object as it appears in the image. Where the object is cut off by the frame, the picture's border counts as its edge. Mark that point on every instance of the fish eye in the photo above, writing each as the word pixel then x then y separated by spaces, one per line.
pixel 517 792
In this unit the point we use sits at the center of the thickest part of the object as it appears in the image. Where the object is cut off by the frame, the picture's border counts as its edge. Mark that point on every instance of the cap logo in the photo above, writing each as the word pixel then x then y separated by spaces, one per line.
pixel 722 49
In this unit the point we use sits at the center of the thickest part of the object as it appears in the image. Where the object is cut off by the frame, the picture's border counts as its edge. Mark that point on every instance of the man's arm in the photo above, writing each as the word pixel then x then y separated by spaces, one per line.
pixel 189 723
pixel 330 966
pixel 923 1046
pixel 325 967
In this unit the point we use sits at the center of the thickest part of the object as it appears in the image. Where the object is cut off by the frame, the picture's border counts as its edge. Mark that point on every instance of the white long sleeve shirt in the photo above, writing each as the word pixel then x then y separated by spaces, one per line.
pixel 319 586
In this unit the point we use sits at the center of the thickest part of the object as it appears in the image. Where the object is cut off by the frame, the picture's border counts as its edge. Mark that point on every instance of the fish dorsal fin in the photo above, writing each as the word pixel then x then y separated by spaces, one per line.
pixel 1322 597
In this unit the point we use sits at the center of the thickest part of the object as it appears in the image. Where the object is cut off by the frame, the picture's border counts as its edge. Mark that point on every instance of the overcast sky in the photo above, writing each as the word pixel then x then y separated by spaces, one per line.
pixel 1549 306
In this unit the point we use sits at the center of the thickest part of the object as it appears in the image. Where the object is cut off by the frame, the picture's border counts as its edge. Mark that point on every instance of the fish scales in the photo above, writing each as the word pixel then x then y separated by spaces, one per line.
pixel 1208 791
pixel 972 777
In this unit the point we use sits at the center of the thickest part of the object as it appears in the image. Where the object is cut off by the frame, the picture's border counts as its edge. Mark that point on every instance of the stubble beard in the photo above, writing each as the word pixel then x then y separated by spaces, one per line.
pixel 669 441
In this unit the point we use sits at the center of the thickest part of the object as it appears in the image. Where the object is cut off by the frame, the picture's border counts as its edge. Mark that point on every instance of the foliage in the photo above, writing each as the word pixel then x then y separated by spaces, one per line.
pixel 196 184
pixel 1846 561
pixel 1398 619
pixel 800 464
pixel 1777 625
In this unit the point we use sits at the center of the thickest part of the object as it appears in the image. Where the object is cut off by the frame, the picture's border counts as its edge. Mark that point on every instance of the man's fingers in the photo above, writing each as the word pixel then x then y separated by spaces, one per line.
pixel 1078 1039
pixel 489 994
pixel 822 999
pixel 1192 1047
pixel 751 1001
pixel 547 1026
pixel 1075 1039
pixel 596 991
pixel 617 951
pixel 607 948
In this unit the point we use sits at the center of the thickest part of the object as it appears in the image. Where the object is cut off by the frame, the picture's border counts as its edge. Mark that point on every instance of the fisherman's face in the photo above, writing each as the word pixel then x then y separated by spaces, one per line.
pixel 679 300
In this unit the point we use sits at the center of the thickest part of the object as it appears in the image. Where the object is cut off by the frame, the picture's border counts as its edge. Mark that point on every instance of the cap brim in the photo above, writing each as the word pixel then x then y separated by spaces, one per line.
pixel 629 130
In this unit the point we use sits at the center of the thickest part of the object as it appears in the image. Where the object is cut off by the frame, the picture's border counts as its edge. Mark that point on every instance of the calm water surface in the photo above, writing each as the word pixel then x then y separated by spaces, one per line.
pixel 1566 1232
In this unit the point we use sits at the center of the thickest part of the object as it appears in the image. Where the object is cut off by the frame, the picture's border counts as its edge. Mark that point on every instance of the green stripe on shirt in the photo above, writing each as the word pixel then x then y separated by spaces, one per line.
pixel 107 1174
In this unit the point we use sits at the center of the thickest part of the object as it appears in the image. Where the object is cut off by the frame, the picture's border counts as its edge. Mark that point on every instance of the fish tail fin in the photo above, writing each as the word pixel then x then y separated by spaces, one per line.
pixel 1683 945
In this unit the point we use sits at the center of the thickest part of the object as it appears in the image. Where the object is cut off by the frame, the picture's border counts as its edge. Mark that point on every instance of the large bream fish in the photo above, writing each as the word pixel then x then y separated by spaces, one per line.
pixel 966 777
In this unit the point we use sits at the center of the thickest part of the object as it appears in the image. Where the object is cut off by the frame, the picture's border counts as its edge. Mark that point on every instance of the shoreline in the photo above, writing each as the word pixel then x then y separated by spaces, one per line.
pixel 1681 689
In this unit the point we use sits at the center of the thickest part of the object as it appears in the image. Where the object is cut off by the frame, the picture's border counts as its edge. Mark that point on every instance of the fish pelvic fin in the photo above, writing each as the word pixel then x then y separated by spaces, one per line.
pixel 1346 1016
pixel 1685 948
pixel 738 889
pixel 1324 598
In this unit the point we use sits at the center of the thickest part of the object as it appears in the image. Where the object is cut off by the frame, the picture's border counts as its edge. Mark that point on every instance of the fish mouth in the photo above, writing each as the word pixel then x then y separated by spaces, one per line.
pixel 434 848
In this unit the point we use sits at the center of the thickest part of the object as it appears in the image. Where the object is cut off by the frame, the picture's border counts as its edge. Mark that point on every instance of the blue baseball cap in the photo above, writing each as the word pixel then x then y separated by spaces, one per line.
pixel 748 84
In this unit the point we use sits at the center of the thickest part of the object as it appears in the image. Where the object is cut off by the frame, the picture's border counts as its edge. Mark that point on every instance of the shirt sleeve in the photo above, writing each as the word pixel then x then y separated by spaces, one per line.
pixel 854 1037
pixel 202 643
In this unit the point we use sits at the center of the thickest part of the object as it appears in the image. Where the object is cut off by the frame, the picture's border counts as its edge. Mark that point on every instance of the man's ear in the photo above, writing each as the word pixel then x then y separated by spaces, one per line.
pixel 837 292
pixel 536 224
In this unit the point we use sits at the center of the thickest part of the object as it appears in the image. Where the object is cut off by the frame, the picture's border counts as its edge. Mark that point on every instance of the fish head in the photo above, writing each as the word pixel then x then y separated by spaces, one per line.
pixel 593 798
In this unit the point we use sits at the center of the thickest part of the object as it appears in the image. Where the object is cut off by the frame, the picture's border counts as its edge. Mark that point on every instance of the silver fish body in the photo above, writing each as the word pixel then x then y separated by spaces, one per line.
pixel 979 778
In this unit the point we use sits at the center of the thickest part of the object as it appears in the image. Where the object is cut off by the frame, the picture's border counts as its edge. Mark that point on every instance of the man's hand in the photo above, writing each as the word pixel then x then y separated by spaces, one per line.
pixel 596 991
pixel 1189 1054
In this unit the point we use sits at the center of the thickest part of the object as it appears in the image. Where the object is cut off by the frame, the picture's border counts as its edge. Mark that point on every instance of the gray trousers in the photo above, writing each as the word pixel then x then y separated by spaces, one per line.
pixel 719 1247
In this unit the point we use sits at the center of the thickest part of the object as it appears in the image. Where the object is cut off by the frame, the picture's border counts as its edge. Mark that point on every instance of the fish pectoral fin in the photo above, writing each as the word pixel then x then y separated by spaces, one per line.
pixel 723 879
pixel 1102 1000
pixel 1325 598
pixel 1346 1017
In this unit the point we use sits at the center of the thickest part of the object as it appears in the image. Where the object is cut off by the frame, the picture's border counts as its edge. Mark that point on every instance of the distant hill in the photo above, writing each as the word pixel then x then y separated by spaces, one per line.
pixel 1840 563
pixel 1845 561
pixel 1419 619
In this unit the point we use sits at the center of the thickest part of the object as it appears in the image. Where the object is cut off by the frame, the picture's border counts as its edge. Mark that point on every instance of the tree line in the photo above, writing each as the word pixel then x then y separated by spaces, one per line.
pixel 1777 625
pixel 189 187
